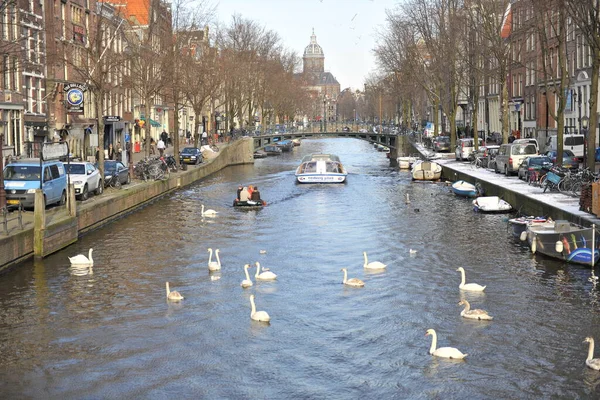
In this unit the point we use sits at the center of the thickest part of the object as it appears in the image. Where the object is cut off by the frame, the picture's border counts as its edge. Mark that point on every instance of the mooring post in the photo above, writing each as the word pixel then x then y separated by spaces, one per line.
pixel 39 224
pixel 72 206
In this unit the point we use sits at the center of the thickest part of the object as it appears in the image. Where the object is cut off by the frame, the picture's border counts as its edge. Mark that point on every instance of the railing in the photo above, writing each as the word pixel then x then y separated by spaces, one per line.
pixel 6 220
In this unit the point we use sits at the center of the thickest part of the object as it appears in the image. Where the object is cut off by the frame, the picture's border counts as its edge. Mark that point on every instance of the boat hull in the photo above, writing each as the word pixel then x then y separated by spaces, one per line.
pixel 464 189
pixel 249 205
pixel 427 171
pixel 576 242
pixel 321 168
pixel 519 225
pixel 491 204
pixel 321 178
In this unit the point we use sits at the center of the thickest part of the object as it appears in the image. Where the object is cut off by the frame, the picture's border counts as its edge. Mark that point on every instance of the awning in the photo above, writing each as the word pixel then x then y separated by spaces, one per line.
pixel 152 122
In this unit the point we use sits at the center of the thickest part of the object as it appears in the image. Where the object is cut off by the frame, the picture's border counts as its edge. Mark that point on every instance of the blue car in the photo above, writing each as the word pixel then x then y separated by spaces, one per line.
pixel 569 159
pixel 597 154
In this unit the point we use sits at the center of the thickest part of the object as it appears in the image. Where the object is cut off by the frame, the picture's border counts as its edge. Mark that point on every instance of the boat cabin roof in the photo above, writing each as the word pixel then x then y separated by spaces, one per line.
pixel 321 157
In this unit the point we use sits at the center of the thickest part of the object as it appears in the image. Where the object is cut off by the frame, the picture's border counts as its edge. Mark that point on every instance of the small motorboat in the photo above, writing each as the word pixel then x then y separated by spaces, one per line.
pixel 519 225
pixel 296 141
pixel 272 150
pixel 491 204
pixel 426 171
pixel 250 204
pixel 465 189
pixel 564 240
pixel 286 145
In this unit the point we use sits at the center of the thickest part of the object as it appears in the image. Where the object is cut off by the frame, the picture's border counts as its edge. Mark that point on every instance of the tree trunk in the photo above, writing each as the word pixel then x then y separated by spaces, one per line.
pixel 505 126
pixel 98 105
pixel 147 125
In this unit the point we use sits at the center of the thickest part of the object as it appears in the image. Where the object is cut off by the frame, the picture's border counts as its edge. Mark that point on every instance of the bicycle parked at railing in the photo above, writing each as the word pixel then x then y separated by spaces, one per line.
pixel 553 178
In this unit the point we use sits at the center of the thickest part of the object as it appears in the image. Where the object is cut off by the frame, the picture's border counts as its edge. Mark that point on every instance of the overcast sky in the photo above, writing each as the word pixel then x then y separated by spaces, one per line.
pixel 346 30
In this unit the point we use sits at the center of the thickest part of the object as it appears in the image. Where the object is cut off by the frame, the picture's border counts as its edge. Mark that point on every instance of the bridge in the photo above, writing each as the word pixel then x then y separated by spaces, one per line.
pixel 393 141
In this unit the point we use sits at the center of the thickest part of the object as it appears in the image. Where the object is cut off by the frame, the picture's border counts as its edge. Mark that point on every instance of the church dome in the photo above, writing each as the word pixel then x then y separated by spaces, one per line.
pixel 313 49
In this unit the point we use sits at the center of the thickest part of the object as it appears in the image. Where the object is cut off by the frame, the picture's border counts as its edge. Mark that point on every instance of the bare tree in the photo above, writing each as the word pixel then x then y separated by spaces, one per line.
pixel 586 15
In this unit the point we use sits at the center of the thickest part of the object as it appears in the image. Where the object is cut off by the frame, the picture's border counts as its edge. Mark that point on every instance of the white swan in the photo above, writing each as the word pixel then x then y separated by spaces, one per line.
pixel 351 282
pixel 263 252
pixel 265 275
pixel 471 287
pixel 247 282
pixel 473 314
pixel 372 264
pixel 173 295
pixel 593 363
pixel 260 316
pixel 214 265
pixel 80 259
pixel 444 352
pixel 208 212
pixel 411 251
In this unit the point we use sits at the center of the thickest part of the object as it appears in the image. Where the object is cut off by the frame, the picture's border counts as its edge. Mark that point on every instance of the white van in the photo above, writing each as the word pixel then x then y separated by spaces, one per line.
pixel 570 142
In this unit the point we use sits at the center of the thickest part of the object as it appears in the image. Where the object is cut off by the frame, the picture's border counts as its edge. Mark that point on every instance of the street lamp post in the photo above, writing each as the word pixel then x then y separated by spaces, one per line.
pixel 584 130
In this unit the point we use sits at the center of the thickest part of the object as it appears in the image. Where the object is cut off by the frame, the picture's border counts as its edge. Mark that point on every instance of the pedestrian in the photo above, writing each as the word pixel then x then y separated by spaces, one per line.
pixel 119 152
pixel 188 136
pixel 97 154
pixel 111 152
pixel 128 150
pixel 164 136
pixel 152 151
pixel 204 138
pixel 161 147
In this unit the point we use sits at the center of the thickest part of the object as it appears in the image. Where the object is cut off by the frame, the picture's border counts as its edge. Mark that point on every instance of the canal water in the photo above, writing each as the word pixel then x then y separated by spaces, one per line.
pixel 109 332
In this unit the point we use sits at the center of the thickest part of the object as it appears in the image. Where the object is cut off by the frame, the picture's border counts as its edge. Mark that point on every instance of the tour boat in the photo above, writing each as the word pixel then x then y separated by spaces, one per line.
pixel 564 240
pixel 491 204
pixel 465 189
pixel 321 168
pixel 426 171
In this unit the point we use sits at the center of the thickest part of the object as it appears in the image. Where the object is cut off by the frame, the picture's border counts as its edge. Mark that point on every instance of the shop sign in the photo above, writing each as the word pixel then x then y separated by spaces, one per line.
pixel 112 118
pixel 74 96
pixel 54 151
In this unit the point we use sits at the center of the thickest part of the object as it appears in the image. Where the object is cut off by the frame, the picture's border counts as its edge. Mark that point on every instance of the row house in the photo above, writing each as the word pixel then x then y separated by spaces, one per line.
pixel 533 96
pixel 46 69
pixel 23 111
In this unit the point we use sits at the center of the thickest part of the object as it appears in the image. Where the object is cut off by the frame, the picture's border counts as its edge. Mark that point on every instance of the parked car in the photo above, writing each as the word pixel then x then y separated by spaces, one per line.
pixel 569 159
pixel 86 178
pixel 190 155
pixel 510 156
pixel 465 147
pixel 531 165
pixel 529 140
pixel 22 178
pixel 110 167
pixel 441 143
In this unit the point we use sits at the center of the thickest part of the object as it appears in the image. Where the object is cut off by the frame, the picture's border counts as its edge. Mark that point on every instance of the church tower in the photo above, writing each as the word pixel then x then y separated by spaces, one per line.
pixel 313 60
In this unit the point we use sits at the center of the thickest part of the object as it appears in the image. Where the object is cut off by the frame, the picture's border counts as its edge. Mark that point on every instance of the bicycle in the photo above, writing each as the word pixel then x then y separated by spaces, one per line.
pixel 477 162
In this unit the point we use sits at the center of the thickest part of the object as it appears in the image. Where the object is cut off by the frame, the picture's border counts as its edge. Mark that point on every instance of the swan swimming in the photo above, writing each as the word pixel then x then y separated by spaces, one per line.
pixel 214 265
pixel 260 316
pixel 208 212
pixel 372 264
pixel 351 282
pixel 247 282
pixel 473 314
pixel 411 251
pixel 471 287
pixel 593 363
pixel 444 352
pixel 263 252
pixel 80 259
pixel 173 295
pixel 265 275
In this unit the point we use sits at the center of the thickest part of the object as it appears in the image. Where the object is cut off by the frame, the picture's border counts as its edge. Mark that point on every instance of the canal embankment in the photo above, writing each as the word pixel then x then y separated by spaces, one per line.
pixel 526 199
pixel 58 228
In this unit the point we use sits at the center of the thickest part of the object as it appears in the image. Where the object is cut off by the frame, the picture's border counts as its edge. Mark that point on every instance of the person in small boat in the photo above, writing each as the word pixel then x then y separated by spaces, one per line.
pixel 239 190
pixel 250 190
pixel 244 195
pixel 255 196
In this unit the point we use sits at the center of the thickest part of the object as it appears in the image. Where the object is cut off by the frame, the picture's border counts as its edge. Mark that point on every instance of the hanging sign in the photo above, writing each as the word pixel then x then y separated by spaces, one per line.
pixel 74 96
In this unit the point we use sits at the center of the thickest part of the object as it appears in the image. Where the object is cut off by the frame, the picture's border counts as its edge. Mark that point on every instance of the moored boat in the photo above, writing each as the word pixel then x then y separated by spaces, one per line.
pixel 406 162
pixel 519 225
pixel 491 204
pixel 426 171
pixel 465 189
pixel 564 240
pixel 260 154
pixel 286 145
pixel 272 150
pixel 321 168
pixel 296 141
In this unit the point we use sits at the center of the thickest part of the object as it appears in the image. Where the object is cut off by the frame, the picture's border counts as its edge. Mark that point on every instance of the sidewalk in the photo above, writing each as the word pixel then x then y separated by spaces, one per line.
pixel 55 211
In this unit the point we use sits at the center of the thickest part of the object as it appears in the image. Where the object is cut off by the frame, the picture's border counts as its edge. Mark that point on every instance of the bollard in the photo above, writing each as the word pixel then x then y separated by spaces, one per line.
pixel 71 204
pixel 39 224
